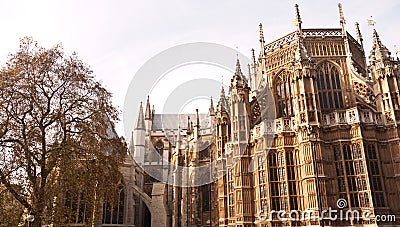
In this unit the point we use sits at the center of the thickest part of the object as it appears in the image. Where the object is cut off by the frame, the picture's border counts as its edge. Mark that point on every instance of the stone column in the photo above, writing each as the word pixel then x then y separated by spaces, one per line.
pixel 159 205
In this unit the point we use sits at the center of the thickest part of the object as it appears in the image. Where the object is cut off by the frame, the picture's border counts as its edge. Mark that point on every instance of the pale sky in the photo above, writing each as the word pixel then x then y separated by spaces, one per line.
pixel 117 37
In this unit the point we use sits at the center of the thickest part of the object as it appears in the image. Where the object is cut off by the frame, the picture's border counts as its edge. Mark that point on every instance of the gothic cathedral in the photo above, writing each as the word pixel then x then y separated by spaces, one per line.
pixel 311 128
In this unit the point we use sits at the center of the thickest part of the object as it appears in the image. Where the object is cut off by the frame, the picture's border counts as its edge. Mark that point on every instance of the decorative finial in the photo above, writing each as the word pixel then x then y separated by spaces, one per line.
pixel 253 57
pixel 358 33
pixel 342 20
pixel 375 36
pixel 248 66
pixel 261 34
pixel 237 52
pixel 197 118
pixel 147 115
pixel 238 70
pixel 297 21
pixel 396 50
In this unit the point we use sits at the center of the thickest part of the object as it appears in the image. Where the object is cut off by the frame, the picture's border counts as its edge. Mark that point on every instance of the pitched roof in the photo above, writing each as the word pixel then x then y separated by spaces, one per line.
pixel 172 121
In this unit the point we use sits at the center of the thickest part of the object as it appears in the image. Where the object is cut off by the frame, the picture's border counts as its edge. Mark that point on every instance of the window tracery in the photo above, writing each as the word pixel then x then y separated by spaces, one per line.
pixel 113 213
pixel 283 93
pixel 329 87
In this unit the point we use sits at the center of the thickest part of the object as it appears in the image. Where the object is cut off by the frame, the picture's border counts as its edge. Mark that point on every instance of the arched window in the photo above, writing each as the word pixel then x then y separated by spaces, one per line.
pixel 113 213
pixel 329 89
pixel 76 207
pixel 283 92
pixel 160 150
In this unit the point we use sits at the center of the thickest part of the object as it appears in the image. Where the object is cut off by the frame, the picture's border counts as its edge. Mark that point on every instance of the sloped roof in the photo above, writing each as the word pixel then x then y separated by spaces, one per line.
pixel 171 121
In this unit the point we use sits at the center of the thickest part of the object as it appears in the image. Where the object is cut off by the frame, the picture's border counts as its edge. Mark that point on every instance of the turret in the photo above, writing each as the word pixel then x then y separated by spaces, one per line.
pixel 302 86
pixel 222 123
pixel 383 70
pixel 238 82
pixel 240 109
pixel 222 105
pixel 379 53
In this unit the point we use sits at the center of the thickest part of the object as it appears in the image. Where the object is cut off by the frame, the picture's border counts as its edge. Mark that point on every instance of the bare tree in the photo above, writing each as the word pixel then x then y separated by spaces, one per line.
pixel 56 133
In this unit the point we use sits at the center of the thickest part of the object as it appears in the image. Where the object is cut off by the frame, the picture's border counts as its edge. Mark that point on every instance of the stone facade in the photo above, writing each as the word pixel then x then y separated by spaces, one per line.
pixel 311 124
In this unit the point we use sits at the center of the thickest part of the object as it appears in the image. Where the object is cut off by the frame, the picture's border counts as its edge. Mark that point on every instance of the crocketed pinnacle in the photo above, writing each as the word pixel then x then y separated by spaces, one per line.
pixel 140 120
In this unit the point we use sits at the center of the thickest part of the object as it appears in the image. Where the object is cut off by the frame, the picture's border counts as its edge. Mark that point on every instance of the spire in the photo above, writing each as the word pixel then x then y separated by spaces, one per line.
pixel 253 57
pixel 379 51
pixel 262 41
pixel 131 143
pixel 222 103
pixel 238 80
pixel 148 115
pixel 261 34
pixel 342 20
pixel 238 70
pixel 297 20
pixel 211 111
pixel 376 39
pixel 358 33
pixel 249 73
pixel 140 121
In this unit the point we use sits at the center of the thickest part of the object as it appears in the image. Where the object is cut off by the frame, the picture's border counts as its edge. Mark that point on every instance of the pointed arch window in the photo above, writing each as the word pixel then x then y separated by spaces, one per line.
pixel 329 88
pixel 113 212
pixel 76 208
pixel 283 92
pixel 160 150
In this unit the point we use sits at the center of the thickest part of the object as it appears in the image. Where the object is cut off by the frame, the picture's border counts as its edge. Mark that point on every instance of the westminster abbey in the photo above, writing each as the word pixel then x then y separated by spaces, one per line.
pixel 311 127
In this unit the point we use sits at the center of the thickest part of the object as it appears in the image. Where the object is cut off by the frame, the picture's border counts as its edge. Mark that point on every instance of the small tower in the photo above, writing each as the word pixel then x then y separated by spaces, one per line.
pixel 139 135
pixel 239 107
pixel 238 154
pixel 382 67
